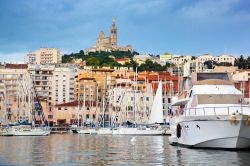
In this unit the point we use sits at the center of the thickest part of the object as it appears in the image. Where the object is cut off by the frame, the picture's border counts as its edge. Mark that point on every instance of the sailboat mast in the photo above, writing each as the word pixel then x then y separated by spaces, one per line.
pixel 135 88
pixel 78 108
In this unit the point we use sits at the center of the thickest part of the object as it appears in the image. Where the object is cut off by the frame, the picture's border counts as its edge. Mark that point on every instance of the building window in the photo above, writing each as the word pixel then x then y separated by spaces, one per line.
pixel 59 108
pixel 50 116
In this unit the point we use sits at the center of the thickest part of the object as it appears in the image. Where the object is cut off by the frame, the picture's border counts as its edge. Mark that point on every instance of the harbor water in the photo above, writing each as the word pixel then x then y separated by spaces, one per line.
pixel 70 149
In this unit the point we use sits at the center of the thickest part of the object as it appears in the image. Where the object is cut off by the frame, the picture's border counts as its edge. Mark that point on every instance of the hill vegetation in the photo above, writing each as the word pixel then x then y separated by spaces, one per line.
pixel 108 59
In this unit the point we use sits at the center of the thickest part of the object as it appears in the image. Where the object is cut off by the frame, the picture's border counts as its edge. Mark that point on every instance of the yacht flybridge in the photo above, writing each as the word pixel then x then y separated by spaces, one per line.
pixel 213 114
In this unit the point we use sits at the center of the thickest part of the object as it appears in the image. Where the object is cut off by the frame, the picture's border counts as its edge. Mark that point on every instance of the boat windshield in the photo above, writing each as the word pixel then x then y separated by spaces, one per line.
pixel 218 99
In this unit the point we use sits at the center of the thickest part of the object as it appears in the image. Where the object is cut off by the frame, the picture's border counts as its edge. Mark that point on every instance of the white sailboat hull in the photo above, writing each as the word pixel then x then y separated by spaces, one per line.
pixel 6 132
pixel 136 131
pixel 31 132
pixel 215 133
pixel 104 131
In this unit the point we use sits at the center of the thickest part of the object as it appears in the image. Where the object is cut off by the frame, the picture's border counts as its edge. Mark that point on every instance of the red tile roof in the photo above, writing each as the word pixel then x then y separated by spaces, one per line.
pixel 120 59
pixel 16 66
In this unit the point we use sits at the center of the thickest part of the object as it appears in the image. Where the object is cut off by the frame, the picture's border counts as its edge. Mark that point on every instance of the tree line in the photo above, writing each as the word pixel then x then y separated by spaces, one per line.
pixel 108 59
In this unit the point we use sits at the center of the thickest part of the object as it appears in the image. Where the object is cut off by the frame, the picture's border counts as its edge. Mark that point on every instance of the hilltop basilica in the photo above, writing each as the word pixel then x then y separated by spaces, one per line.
pixel 108 44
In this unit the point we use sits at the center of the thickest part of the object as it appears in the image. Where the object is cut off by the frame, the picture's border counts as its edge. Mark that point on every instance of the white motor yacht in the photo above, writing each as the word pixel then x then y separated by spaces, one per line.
pixel 215 115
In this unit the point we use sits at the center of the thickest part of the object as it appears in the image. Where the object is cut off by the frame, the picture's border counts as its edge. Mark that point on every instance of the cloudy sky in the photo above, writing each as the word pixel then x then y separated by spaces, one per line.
pixel 189 27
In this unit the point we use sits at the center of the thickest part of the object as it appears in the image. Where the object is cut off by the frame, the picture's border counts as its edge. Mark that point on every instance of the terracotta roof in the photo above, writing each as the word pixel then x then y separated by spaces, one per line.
pixel 164 73
pixel 75 103
pixel 120 59
pixel 16 66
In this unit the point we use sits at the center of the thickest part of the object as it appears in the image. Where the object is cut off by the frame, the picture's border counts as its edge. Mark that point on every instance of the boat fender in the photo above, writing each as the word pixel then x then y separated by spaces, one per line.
pixel 247 122
pixel 233 120
pixel 178 130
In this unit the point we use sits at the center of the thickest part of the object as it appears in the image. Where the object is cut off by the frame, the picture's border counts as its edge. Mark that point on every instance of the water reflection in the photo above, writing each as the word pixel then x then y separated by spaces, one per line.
pixel 109 150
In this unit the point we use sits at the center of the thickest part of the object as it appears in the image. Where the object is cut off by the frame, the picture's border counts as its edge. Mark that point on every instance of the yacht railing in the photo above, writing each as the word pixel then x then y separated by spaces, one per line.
pixel 230 110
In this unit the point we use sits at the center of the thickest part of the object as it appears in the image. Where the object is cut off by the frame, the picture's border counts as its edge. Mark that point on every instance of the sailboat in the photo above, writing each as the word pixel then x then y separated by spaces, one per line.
pixel 155 118
pixel 81 129
pixel 22 127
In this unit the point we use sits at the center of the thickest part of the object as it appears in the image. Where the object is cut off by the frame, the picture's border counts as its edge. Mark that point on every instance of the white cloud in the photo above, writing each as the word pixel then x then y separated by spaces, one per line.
pixel 212 10
pixel 15 57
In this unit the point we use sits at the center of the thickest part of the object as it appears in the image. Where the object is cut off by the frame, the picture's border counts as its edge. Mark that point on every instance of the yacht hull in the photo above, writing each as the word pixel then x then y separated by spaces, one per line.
pixel 225 132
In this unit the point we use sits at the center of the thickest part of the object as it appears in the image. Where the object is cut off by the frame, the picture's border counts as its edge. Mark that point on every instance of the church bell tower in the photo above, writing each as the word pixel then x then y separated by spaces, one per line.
pixel 113 34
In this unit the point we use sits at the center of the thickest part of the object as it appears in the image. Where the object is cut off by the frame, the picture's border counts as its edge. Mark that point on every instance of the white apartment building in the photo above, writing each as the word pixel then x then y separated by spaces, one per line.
pixel 219 59
pixel 205 57
pixel 181 59
pixel 31 58
pixel 44 56
pixel 63 84
pixel 192 66
pixel 225 58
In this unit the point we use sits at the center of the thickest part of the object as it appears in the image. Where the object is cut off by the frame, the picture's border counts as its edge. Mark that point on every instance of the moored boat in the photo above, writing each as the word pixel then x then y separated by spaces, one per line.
pixel 215 115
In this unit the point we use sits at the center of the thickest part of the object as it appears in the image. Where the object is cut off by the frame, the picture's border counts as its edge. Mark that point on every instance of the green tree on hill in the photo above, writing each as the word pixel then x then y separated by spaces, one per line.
pixel 93 61
pixel 241 62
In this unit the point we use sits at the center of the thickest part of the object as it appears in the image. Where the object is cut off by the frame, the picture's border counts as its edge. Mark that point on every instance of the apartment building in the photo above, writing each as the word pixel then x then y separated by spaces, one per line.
pixel 225 58
pixel 41 75
pixel 93 82
pixel 219 59
pixel 11 78
pixel 181 59
pixel 193 66
pixel 31 58
pixel 44 56
pixel 63 83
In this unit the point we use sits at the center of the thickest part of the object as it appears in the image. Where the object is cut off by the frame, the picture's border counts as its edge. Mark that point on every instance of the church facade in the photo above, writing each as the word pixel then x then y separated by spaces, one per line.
pixel 108 44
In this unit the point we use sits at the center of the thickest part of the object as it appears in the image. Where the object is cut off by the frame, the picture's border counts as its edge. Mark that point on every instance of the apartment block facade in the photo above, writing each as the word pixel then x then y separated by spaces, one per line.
pixel 44 56
pixel 63 84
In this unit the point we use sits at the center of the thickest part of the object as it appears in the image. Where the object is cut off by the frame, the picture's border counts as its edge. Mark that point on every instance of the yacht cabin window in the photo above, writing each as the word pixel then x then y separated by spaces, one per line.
pixel 219 99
